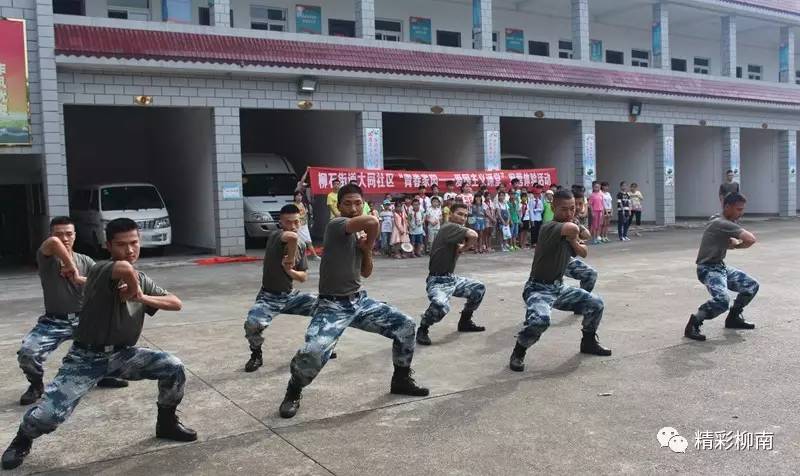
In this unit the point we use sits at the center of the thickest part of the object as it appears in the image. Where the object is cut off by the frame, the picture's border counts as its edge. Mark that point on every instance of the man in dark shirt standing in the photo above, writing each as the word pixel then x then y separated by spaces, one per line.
pixel 453 238
pixel 559 241
pixel 284 262
pixel 728 187
pixel 349 239
pixel 117 296
pixel 62 273
pixel 723 234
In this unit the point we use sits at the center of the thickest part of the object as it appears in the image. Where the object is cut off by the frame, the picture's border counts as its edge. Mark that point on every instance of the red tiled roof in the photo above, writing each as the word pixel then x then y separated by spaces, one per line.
pixel 782 6
pixel 74 40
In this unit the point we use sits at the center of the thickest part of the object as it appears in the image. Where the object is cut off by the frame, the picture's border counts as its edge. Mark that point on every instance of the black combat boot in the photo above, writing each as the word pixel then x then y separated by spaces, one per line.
pixel 422 335
pixel 465 324
pixel 403 383
pixel 590 344
pixel 692 330
pixel 291 401
pixel 517 361
pixel 111 382
pixel 735 320
pixel 170 427
pixel 255 360
pixel 34 392
pixel 17 451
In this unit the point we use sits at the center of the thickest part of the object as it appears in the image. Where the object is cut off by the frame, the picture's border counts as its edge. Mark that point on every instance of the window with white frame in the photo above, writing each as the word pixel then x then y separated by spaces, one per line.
pixel 754 72
pixel 615 57
pixel 678 64
pixel 565 49
pixel 702 65
pixel 129 9
pixel 640 58
pixel 388 30
pixel 268 18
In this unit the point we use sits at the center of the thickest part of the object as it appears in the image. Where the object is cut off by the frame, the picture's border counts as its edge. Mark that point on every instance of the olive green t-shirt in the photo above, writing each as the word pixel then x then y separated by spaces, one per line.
pixel 727 188
pixel 274 279
pixel 444 251
pixel 716 237
pixel 552 254
pixel 340 270
pixel 105 318
pixel 61 296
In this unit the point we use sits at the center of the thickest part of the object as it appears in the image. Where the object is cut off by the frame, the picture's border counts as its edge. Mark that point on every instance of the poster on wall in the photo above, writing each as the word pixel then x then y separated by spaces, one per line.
pixel 420 30
pixel 492 150
pixel 588 161
pixel 15 116
pixel 515 40
pixel 735 158
pixel 656 39
pixel 176 11
pixel 373 148
pixel 596 48
pixel 308 19
pixel 476 16
pixel 669 161
pixel 792 162
pixel 783 71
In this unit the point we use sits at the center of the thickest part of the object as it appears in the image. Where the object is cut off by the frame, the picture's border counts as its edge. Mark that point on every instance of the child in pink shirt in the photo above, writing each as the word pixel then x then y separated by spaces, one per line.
pixel 597 209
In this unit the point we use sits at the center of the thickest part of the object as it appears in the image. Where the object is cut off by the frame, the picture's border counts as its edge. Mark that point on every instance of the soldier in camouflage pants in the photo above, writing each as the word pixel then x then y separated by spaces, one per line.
pixel 269 304
pixel 441 288
pixel 42 340
pixel 718 279
pixel 82 369
pixel 579 270
pixel 332 316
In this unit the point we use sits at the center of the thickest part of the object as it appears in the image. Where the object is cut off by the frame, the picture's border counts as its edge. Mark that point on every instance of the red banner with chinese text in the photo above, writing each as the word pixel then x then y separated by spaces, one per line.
pixel 408 181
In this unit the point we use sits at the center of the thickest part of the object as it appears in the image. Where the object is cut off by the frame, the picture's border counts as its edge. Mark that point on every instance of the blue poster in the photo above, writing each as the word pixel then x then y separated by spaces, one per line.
pixel 176 11
pixel 656 39
pixel 784 61
pixel 596 47
pixel 515 40
pixel 420 30
pixel 308 19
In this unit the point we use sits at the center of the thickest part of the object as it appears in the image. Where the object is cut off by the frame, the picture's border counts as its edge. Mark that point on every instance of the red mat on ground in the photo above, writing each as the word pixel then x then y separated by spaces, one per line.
pixel 227 259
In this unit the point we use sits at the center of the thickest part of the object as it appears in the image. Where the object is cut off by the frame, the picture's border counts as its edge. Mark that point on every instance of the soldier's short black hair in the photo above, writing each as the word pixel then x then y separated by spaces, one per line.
pixel 458 206
pixel 289 209
pixel 733 198
pixel 119 225
pixel 348 189
pixel 62 220
pixel 563 194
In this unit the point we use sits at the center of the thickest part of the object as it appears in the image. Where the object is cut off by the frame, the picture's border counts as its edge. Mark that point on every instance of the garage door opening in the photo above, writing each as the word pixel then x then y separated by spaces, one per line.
pixel 22 209
pixel 427 142
pixel 760 172
pixel 539 143
pixel 171 149
pixel 628 152
pixel 698 171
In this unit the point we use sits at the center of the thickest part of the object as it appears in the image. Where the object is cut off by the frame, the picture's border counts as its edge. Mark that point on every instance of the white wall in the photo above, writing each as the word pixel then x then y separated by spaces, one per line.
pixel 441 142
pixel 627 152
pixel 759 174
pixel 170 148
pixel 698 170
pixel 548 143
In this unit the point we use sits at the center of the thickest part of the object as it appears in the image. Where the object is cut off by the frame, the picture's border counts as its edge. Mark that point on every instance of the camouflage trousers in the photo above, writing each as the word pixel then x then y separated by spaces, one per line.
pixel 541 298
pixel 268 305
pixel 332 316
pixel 41 341
pixel 81 370
pixel 718 279
pixel 441 288
pixel 581 271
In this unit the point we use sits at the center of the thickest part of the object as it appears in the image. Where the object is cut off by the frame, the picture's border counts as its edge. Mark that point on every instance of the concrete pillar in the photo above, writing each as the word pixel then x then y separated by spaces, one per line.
pixel 786 55
pixel 488 143
pixel 665 174
pixel 227 170
pixel 369 140
pixel 580 30
pixel 365 19
pixel 222 12
pixel 731 147
pixel 585 154
pixel 54 161
pixel 483 37
pixel 729 58
pixel 787 173
pixel 660 37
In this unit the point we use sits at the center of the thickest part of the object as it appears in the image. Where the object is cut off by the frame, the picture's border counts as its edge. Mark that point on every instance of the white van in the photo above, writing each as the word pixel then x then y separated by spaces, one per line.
pixel 92 207
pixel 268 183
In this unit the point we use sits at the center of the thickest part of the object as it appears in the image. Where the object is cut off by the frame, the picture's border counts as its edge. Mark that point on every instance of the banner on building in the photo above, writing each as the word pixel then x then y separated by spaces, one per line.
pixel 669 161
pixel 656 39
pixel 409 181
pixel 15 126
pixel 596 47
pixel 589 175
pixel 515 40
pixel 783 71
pixel 491 150
pixel 735 159
pixel 176 11
pixel 373 148
pixel 792 161
pixel 476 16
pixel 420 30
pixel 308 19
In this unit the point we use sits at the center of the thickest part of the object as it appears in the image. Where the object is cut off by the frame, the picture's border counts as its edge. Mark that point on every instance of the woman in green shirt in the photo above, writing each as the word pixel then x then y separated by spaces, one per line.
pixel 548 214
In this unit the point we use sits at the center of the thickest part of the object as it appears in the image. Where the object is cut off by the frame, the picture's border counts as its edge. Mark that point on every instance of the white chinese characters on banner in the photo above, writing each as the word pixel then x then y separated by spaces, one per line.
pixel 492 150
pixel 373 148
pixel 669 161
pixel 588 161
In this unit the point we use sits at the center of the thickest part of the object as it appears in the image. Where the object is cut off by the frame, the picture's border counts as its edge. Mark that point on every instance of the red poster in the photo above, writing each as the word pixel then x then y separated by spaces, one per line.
pixel 408 181
pixel 14 117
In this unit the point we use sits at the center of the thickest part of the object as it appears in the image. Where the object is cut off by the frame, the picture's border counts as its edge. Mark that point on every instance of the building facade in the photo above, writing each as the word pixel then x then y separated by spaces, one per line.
pixel 668 94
